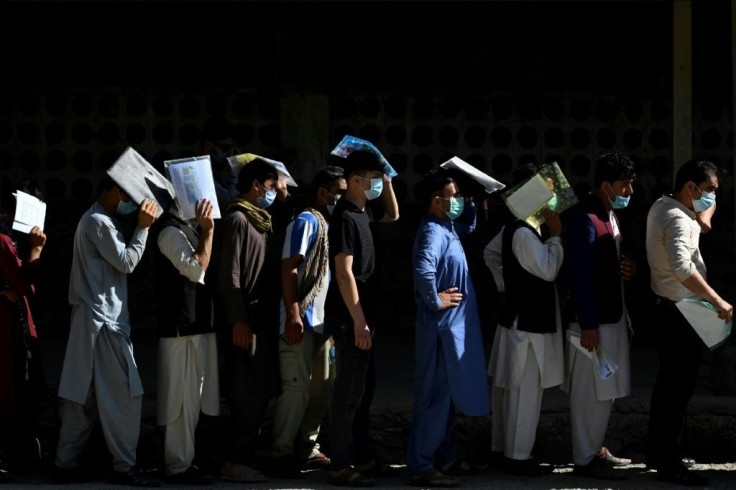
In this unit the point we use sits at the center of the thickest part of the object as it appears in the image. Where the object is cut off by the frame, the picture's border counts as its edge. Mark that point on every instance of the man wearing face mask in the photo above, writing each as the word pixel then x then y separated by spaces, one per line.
pixel 304 345
pixel 600 331
pixel 350 311
pixel 99 377
pixel 678 272
pixel 527 353
pixel 450 362
pixel 253 366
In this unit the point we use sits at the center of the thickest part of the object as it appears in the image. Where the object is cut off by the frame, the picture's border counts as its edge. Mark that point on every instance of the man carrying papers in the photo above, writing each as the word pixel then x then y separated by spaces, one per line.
pixel 678 273
pixel 527 354
pixel 602 322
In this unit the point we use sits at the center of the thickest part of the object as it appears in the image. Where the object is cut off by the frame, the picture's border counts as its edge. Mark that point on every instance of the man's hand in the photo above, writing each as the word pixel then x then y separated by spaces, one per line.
pixel 147 213
pixel 203 214
pixel 589 339
pixel 36 237
pixel 628 268
pixel 725 310
pixel 282 190
pixel 363 337
pixel 449 298
pixel 242 335
pixel 553 222
pixel 293 330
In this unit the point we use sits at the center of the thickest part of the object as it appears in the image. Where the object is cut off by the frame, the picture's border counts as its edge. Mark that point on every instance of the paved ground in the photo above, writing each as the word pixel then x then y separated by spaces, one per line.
pixel 392 412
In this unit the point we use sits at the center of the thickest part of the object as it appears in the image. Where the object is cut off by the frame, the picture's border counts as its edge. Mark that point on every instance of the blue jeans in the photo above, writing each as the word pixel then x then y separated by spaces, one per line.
pixel 351 366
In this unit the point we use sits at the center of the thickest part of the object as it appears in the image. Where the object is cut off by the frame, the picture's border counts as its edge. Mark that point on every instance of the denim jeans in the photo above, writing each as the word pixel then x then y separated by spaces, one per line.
pixel 351 368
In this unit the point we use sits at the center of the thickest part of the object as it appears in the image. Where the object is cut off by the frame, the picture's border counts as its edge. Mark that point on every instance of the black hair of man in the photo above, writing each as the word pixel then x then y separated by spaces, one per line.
pixel 325 177
pixel 257 169
pixel 28 185
pixel 695 170
pixel 106 183
pixel 215 130
pixel 524 171
pixel 360 162
pixel 612 167
pixel 433 184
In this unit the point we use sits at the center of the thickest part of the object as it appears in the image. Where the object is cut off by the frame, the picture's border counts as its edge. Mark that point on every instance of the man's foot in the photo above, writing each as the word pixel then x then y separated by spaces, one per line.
pixel 134 477
pixel 283 467
pixel 605 453
pixel 525 467
pixel 378 468
pixel 598 468
pixel 240 473
pixel 682 476
pixel 348 477
pixel 316 461
pixel 434 479
pixel 191 476
pixel 684 462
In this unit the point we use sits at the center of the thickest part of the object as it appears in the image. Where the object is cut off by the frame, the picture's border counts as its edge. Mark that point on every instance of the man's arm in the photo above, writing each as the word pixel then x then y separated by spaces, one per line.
pixel 697 285
pixel 581 238
pixel 349 292
pixel 388 199
pixel 234 235
pixel 703 218
pixel 294 327
pixel 493 260
pixel 542 259
pixel 425 274
pixel 111 243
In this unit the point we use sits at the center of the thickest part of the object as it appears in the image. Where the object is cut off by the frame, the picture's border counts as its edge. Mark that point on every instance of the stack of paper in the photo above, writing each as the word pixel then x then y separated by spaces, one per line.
pixel 140 180
pixel 489 183
pixel 238 161
pixel 192 180
pixel 350 144
pixel 703 317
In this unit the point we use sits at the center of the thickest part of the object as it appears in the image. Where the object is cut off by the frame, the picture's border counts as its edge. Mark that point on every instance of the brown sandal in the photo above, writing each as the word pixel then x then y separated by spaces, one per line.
pixel 607 455
pixel 434 479
pixel 350 478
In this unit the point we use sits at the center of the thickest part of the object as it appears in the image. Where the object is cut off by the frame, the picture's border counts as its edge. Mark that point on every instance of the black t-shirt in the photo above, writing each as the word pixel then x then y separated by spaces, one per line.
pixel 350 233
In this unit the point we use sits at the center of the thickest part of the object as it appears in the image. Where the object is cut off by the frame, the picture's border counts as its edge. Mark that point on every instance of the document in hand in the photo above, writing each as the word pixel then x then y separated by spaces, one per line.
pixel 140 180
pixel 604 366
pixel 238 161
pixel 546 189
pixel 489 183
pixel 192 180
pixel 703 317
pixel 29 212
pixel 350 144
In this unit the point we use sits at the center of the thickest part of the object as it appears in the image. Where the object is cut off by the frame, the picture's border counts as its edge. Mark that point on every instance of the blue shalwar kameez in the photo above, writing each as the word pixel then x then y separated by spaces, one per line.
pixel 450 362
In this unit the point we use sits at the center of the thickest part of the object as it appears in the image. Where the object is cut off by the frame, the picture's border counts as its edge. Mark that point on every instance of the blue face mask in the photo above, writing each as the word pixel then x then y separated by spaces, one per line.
pixel 267 200
pixel 331 207
pixel 126 207
pixel 707 199
pixel 457 205
pixel 376 188
pixel 620 202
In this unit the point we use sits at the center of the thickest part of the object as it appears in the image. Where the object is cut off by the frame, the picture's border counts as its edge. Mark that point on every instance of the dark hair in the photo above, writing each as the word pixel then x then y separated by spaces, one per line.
pixel 325 177
pixel 29 185
pixel 524 171
pixel 361 161
pixel 695 170
pixel 432 183
pixel 216 129
pixel 612 167
pixel 257 169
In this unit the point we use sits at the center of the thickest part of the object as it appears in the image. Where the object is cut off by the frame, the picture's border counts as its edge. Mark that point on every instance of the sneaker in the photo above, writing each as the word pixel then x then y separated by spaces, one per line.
pixel 134 477
pixel 598 468
pixel 190 476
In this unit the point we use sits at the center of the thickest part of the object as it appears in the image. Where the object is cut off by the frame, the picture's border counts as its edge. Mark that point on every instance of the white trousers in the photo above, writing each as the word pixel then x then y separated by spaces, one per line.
pixel 516 413
pixel 588 416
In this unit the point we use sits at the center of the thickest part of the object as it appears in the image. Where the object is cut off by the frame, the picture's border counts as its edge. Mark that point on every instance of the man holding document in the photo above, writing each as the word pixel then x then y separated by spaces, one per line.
pixel 678 276
pixel 598 348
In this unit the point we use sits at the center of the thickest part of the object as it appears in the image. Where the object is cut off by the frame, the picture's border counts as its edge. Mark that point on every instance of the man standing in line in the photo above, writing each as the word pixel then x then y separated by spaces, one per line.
pixel 352 258
pixel 304 345
pixel 99 377
pixel 187 348
pixel 678 273
pixel 527 354
pixel 253 369
pixel 597 268
pixel 450 362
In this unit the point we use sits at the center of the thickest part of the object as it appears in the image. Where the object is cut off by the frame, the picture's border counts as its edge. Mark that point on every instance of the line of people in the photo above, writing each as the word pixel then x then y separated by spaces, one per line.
pixel 293 287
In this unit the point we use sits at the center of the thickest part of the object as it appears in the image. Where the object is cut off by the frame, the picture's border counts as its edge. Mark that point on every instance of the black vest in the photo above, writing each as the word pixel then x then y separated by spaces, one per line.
pixel 528 296
pixel 184 307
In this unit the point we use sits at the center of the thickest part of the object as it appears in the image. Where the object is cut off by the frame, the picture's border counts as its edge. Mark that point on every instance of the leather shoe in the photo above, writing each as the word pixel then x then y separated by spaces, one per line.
pixel 525 467
pixel 598 468
pixel 682 476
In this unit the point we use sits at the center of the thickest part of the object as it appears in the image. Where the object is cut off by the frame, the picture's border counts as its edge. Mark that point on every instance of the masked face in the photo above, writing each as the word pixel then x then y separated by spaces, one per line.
pixel 332 202
pixel 620 201
pixel 265 201
pixel 375 189
pixel 125 207
pixel 707 199
pixel 457 205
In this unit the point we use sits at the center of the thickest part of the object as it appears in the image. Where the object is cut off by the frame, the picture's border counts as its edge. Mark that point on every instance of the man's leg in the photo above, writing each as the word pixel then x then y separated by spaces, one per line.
pixel 680 353
pixel 77 423
pixel 319 398
pixel 119 412
pixel 588 416
pixel 362 444
pixel 351 369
